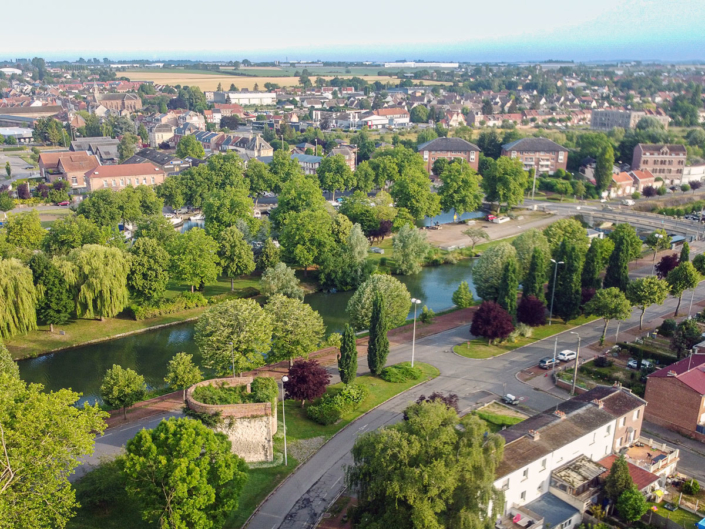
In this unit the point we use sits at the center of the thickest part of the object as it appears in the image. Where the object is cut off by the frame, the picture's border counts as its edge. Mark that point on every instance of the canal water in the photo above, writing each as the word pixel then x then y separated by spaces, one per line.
pixel 82 369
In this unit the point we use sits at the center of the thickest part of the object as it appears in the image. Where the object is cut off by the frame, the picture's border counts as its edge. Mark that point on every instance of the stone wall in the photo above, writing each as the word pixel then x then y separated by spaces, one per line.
pixel 250 427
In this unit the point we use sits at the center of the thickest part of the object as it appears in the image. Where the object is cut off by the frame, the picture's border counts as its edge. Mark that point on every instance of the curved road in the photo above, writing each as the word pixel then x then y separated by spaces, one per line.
pixel 304 497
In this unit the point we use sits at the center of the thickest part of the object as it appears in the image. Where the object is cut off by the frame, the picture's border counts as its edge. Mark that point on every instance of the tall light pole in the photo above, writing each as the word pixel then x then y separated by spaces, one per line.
pixel 555 273
pixel 232 356
pixel 555 348
pixel 284 379
pixel 690 309
pixel 416 303
pixel 575 370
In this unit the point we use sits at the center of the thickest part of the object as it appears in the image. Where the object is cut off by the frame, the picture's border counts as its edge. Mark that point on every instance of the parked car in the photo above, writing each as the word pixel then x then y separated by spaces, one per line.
pixel 375 249
pixel 567 355
pixel 628 202
pixel 64 203
pixel 510 399
pixel 645 364
pixel 547 362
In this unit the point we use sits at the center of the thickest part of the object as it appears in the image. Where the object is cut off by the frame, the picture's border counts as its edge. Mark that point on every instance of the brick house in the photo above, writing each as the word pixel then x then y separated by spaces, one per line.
pixel 117 177
pixel 346 153
pixel 666 161
pixel 68 166
pixel 449 148
pixel 622 185
pixel 541 154
pixel 642 179
pixel 117 102
pixel 676 396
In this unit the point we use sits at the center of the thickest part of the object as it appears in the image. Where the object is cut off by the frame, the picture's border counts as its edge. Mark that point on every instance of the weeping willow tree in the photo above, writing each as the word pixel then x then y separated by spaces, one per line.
pixel 99 276
pixel 18 299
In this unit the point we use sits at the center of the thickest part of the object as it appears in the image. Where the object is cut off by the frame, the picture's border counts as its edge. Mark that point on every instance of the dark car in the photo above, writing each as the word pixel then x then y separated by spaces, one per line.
pixel 510 399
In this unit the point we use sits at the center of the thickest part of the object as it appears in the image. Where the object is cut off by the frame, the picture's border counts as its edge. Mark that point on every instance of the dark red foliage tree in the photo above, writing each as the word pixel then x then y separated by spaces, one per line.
pixel 307 381
pixel 23 191
pixel 531 311
pixel 649 191
pixel 695 185
pixel 492 322
pixel 666 264
pixel 586 295
pixel 450 400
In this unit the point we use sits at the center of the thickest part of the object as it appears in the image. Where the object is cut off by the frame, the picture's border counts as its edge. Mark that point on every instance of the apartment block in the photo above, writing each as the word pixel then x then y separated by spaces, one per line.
pixel 609 119
pixel 666 161
pixel 449 148
pixel 540 154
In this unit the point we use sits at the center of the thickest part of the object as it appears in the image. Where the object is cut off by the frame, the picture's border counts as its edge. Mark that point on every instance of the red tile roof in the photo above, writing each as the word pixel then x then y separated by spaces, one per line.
pixel 690 371
pixel 117 171
pixel 390 112
pixel 641 478
pixel 622 178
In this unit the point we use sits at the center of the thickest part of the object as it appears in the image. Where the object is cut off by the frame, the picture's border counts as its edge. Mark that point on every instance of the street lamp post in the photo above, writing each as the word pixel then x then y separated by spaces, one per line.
pixel 690 309
pixel 555 273
pixel 553 366
pixel 575 370
pixel 284 379
pixel 616 335
pixel 416 303
pixel 232 356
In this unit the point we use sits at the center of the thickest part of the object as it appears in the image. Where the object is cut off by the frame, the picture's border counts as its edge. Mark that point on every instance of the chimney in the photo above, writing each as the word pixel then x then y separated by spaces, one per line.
pixel 534 435
pixel 598 403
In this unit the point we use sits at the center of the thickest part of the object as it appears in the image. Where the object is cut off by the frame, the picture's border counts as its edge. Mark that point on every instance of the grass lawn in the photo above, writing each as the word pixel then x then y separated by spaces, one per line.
pixel 122 511
pixel 683 518
pixel 485 245
pixel 80 331
pixel 479 348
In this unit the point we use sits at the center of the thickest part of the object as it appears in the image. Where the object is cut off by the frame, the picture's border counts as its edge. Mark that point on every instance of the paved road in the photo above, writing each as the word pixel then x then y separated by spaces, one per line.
pixel 304 497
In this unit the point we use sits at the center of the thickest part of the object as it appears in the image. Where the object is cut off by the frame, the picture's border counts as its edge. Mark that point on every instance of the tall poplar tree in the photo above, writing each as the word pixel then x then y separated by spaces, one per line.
pixel 685 253
pixel 568 296
pixel 378 344
pixel 603 168
pixel 536 276
pixel 508 288
pixel 617 274
pixel 347 358
pixel 54 304
pixel 592 268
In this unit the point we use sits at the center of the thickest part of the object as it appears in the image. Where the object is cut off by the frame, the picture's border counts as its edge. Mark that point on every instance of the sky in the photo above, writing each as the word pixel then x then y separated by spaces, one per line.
pixel 374 30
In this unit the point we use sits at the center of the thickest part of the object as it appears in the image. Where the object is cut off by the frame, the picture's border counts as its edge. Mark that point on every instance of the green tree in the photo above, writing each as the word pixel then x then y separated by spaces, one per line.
pixel 24 230
pixel 617 274
pixel 462 297
pixel 609 304
pixel 54 303
pixel 683 277
pixel 235 333
pixel 72 231
pixel 184 475
pixel 433 470
pixel 260 178
pixel 182 373
pixel 298 329
pixel 525 245
pixel 568 294
pixel 364 177
pixel 657 241
pixel 412 191
pixel 476 235
pixel 18 299
pixel 99 275
pixel 142 133
pixel 488 269
pixel 224 207
pixel 7 203
pixel 190 146
pixel 396 297
pixel 44 435
pixel 194 258
pixel 685 253
pixel 102 207
pixel 632 505
pixel 508 287
pixel 378 343
pixel 699 263
pixel 126 147
pixel 410 249
pixel 569 229
pixel 618 480
pixel 149 269
pixel 335 174
pixel 8 169
pixel 7 365
pixel 686 335
pixel 347 357
pixel 533 284
pixel 269 256
pixel 235 254
pixel 280 279
pixel 506 183
pixel 603 168
pixel 306 237
pixel 595 261
pixel 647 291
pixel 460 190
pixel 419 114
pixel 627 233
pixel 121 388
pixel 301 193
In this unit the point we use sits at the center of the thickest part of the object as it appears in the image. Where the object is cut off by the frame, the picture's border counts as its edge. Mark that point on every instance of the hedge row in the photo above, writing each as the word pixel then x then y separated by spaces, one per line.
pixel 331 407
pixel 648 353
pixel 184 301
pixel 694 207
pixel 400 373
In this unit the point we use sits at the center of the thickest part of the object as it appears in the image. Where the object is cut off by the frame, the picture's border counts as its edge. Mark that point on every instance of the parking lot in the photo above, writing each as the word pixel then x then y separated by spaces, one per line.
pixel 17 165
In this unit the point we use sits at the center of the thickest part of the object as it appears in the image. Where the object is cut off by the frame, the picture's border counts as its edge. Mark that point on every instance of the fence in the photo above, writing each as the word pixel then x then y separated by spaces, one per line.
pixel 656 520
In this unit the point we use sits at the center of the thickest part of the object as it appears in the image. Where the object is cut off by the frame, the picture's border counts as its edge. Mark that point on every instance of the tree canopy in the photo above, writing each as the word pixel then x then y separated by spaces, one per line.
pixel 18 299
pixel 460 190
pixel 396 297
pixel 297 329
pixel 195 258
pixel 487 270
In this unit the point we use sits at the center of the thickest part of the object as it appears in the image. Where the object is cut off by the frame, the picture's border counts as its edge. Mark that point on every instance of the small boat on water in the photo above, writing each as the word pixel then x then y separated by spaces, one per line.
pixel 198 216
pixel 176 221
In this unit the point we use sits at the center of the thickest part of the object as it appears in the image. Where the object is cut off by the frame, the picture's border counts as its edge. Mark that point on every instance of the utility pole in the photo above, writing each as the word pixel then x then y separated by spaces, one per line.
pixel 575 370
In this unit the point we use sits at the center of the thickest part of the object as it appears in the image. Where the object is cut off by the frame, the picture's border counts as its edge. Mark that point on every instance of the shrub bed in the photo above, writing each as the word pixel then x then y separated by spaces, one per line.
pixel 498 420
pixel 184 301
pixel 263 389
pixel 648 353
pixel 400 373
pixel 331 407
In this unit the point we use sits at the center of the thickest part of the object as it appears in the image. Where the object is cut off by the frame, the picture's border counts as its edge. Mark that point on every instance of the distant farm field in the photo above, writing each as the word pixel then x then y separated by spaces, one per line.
pixel 209 81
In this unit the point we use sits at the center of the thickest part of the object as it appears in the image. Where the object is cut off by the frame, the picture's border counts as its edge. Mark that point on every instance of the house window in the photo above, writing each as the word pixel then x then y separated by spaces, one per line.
pixel 619 442
pixel 523 496
pixel 144 180
pixel 525 474
pixel 114 183
pixel 514 154
pixel 472 156
pixel 74 180
pixel 636 414
pixel 594 435
pixel 152 180
pixel 122 182
pixel 623 422
pixel 543 465
pixel 105 183
pixel 561 156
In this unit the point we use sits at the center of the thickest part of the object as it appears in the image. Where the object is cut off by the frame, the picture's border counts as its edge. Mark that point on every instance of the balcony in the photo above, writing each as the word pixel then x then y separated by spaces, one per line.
pixel 657 458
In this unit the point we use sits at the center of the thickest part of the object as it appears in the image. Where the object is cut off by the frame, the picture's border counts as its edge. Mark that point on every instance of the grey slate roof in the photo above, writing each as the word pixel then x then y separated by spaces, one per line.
pixel 553 510
pixel 534 144
pixel 448 144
